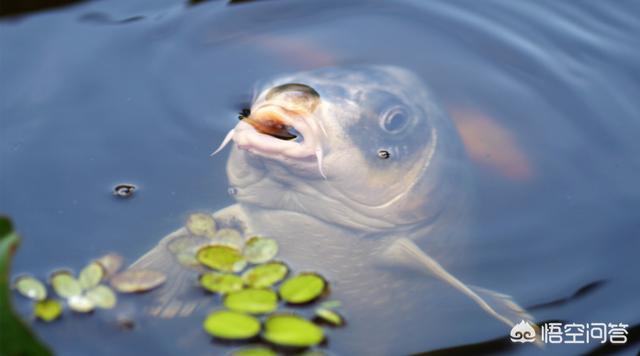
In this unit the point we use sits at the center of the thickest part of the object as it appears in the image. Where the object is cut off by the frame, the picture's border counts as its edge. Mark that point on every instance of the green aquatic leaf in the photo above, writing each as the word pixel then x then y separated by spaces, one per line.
pixel 65 284
pixel 201 224
pixel 81 304
pixel 111 263
pixel 137 280
pixel 47 310
pixel 291 330
pixel 229 237
pixel 329 316
pixel 91 275
pixel 303 288
pixel 265 275
pixel 220 282
pixel 222 258
pixel 16 338
pixel 230 325
pixel 260 249
pixel 30 287
pixel 254 351
pixel 102 297
pixel 253 301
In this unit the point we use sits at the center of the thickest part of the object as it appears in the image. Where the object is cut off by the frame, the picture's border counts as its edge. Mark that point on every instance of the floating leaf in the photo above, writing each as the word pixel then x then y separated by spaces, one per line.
pixel 220 257
pixel 65 284
pixel 260 249
pixel 220 282
pixel 91 275
pixel 229 237
pixel 81 304
pixel 302 288
pixel 185 247
pixel 254 351
pixel 226 324
pixel 111 263
pixel 253 301
pixel 47 310
pixel 291 330
pixel 102 296
pixel 265 275
pixel 329 316
pixel 201 224
pixel 138 280
pixel 30 287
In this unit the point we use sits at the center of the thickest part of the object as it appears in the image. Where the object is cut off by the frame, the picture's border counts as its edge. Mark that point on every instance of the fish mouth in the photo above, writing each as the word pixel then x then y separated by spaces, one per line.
pixel 276 132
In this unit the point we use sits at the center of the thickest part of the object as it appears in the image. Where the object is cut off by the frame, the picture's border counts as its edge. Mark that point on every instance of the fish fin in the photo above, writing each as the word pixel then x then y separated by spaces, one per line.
pixel 498 305
pixel 175 297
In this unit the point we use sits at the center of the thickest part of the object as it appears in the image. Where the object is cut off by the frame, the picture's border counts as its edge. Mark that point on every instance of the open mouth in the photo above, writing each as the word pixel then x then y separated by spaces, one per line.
pixel 273 131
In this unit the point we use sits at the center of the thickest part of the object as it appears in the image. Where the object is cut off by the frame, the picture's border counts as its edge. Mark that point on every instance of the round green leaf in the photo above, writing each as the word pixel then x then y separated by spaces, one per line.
pixel 329 316
pixel 47 310
pixel 81 304
pixel 102 296
pixel 222 258
pixel 91 275
pixel 220 282
pixel 302 288
pixel 65 284
pixel 260 249
pixel 231 325
pixel 254 351
pixel 291 330
pixel 30 287
pixel 253 301
pixel 265 275
pixel 229 237
pixel 138 280
pixel 201 224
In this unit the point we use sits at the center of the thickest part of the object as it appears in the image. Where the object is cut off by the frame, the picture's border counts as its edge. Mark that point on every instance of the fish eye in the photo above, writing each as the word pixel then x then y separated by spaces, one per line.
pixel 395 120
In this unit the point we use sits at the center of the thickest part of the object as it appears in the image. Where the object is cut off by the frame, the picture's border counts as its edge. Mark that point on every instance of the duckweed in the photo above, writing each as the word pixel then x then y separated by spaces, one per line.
pixel 91 275
pixel 220 282
pixel 64 284
pixel 102 297
pixel 231 325
pixel 47 310
pixel 30 287
pixel 265 275
pixel 329 316
pixel 201 224
pixel 291 330
pixel 138 280
pixel 260 249
pixel 222 258
pixel 302 288
pixel 252 301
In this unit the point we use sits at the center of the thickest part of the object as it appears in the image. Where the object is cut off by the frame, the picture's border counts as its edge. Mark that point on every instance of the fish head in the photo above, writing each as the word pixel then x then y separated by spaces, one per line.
pixel 363 147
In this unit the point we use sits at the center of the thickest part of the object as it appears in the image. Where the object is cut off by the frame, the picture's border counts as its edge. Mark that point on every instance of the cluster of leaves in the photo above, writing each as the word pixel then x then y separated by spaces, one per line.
pixel 85 293
pixel 253 286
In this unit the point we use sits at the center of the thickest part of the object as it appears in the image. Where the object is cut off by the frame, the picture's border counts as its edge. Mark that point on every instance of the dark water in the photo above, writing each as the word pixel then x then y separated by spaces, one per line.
pixel 141 92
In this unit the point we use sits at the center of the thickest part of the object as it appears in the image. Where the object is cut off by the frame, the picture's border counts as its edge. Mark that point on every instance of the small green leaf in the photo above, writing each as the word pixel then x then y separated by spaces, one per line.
pixel 111 263
pixel 30 287
pixel 81 304
pixel 47 310
pixel 222 258
pixel 265 275
pixel 231 325
pixel 91 275
pixel 291 330
pixel 302 288
pixel 253 301
pixel 65 284
pixel 220 282
pixel 254 351
pixel 201 224
pixel 329 316
pixel 102 296
pixel 260 249
pixel 229 237
pixel 137 280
